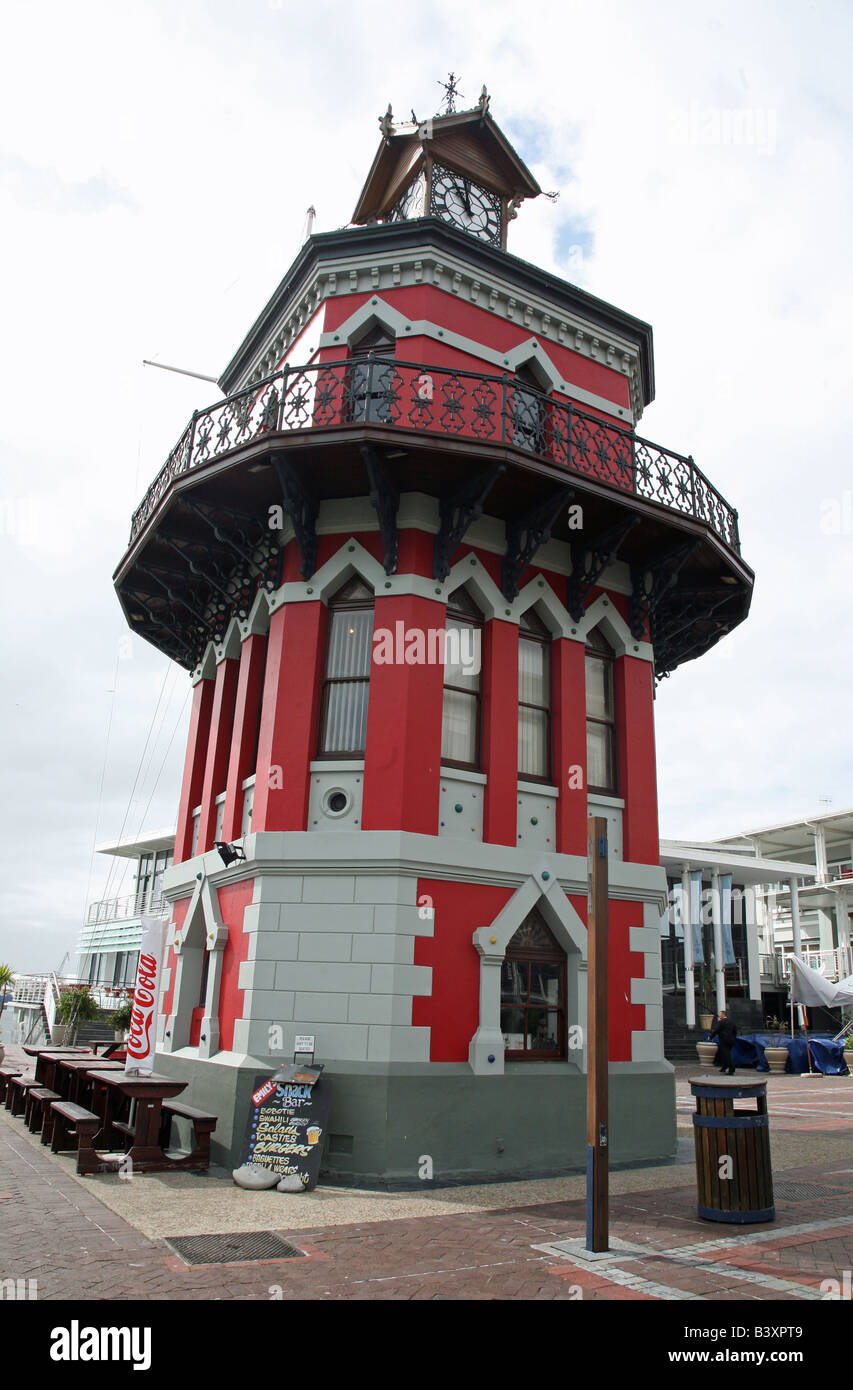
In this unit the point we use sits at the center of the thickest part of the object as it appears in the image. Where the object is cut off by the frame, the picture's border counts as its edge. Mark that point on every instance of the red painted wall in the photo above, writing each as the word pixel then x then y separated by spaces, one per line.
pixel 194 763
pixel 452 1011
pixel 218 749
pixel 568 743
pixel 287 740
pixel 403 747
pixel 499 756
pixel 637 770
pixel 479 324
pixel 241 761
pixel 234 898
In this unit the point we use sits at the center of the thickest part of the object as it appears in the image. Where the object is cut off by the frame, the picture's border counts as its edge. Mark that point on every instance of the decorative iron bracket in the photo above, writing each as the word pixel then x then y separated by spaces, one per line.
pixel 589 561
pixel 457 513
pixel 664 573
pixel 385 501
pixel 165 636
pixel 524 538
pixel 226 538
pixel 224 584
pixel 155 571
pixel 302 509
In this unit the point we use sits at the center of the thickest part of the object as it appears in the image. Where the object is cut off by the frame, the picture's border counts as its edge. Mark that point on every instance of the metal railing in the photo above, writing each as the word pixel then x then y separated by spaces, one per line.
pixel 457 405
pixel 120 909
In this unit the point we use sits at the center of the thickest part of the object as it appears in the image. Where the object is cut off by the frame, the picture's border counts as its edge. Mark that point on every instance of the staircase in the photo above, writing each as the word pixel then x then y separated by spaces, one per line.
pixel 96 1032
pixel 679 1041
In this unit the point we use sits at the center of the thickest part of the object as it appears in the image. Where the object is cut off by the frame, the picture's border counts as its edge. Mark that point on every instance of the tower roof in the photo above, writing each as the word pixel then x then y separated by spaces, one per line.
pixel 470 142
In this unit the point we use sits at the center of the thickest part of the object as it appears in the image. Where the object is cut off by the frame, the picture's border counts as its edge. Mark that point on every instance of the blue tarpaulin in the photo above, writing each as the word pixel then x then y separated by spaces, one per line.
pixel 827 1056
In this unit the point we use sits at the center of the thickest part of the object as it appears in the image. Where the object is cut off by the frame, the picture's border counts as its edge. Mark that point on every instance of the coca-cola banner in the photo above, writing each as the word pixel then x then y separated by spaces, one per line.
pixel 141 1038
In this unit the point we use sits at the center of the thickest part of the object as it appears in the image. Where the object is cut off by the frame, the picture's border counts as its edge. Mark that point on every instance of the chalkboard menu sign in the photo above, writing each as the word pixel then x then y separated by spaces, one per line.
pixel 287 1123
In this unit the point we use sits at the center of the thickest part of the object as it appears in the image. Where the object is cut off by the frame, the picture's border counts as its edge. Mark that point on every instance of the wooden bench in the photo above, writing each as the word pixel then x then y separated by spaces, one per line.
pixel 37 1098
pixel 203 1126
pixel 6 1074
pixel 70 1122
pixel 16 1093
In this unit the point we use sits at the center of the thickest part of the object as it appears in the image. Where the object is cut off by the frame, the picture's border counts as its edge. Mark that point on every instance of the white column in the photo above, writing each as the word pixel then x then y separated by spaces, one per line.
pixel 820 852
pixel 824 924
pixel 689 966
pixel 795 915
pixel 752 944
pixel 717 921
pixel 842 918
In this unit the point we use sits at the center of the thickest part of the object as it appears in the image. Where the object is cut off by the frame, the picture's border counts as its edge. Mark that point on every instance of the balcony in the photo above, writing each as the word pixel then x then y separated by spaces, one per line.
pixel 121 909
pixel 458 406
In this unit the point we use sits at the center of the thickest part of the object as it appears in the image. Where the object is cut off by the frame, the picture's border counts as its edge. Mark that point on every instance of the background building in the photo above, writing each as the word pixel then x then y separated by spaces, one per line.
pixel 423 435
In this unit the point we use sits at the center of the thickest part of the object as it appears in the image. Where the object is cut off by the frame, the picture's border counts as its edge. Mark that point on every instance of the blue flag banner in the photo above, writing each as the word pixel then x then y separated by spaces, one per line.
pixel 726 910
pixel 696 915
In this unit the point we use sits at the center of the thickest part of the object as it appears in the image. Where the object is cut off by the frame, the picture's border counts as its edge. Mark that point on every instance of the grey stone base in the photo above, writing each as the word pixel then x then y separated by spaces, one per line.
pixel 388 1126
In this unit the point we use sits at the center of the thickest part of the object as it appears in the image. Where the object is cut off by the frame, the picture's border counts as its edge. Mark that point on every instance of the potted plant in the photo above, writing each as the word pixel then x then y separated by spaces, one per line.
pixel 706 1008
pixel 776 1053
pixel 120 1019
pixel 7 976
pixel 76 1006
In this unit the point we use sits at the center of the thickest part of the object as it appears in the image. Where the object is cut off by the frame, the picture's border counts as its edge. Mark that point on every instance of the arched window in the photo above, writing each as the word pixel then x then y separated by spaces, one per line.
pixel 533 994
pixel 343 717
pixel 460 720
pixel 369 385
pixel 534 698
pixel 528 411
pixel 600 715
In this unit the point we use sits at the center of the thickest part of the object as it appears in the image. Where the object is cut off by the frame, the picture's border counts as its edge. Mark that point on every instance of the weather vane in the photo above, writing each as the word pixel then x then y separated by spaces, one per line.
pixel 451 92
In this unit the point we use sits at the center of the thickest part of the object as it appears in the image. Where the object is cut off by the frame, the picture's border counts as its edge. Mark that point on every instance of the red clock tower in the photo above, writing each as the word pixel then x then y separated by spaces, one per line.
pixel 423 573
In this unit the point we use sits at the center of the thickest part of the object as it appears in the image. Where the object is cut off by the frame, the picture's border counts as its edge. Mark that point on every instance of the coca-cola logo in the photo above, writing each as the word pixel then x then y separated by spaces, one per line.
pixel 139 1037
pixel 142 1016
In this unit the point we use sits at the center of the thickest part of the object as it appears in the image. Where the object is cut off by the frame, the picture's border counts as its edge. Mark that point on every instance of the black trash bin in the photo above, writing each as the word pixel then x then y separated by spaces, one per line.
pixel 739 1190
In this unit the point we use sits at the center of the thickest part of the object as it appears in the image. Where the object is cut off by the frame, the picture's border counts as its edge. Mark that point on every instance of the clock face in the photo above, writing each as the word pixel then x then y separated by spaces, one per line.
pixel 465 204
pixel 411 201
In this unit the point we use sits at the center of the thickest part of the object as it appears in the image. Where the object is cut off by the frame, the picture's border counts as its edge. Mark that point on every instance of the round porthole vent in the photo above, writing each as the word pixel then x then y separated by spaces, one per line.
pixel 336 802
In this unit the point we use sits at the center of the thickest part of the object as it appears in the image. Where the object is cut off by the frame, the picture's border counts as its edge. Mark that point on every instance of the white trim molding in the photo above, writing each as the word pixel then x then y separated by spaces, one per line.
pixel 486 1050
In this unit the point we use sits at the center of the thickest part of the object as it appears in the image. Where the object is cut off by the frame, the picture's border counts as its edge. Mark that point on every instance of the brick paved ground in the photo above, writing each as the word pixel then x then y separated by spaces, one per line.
pixel 55 1230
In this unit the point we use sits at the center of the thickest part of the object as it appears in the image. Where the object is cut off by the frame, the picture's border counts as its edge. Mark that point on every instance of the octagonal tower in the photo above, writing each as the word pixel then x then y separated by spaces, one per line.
pixel 423 573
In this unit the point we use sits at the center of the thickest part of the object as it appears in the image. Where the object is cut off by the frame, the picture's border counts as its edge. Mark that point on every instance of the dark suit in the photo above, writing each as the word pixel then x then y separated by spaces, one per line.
pixel 725 1033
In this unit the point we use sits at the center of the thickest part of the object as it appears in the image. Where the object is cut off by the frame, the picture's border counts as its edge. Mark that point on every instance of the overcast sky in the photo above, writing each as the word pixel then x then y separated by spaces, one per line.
pixel 156 164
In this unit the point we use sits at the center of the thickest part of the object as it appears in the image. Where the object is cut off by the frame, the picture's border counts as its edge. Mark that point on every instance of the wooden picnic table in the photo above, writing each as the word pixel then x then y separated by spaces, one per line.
pixel 48 1058
pixel 72 1076
pixel 147 1093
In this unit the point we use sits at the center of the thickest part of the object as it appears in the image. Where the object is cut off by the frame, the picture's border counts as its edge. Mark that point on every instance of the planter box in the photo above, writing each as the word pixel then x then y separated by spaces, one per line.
pixel 777 1059
pixel 707 1053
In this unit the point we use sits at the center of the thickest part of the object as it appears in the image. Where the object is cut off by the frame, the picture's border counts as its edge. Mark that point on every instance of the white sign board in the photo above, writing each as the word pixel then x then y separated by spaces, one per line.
pixel 304 1042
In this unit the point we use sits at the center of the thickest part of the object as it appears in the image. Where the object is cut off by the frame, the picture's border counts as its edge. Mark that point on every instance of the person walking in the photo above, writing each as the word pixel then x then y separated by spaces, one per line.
pixel 725 1033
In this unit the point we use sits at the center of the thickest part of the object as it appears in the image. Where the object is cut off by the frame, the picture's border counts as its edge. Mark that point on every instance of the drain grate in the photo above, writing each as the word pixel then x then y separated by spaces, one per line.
pixel 804 1192
pixel 238 1247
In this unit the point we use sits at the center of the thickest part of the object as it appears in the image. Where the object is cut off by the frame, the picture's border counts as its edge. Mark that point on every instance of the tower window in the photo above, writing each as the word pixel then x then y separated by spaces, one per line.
pixel 600 715
pixel 343 721
pixel 533 994
pixel 369 385
pixel 460 720
pixel 528 411
pixel 534 698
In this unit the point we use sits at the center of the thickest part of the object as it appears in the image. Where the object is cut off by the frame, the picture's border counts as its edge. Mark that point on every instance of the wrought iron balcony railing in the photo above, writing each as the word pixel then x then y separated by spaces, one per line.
pixel 458 405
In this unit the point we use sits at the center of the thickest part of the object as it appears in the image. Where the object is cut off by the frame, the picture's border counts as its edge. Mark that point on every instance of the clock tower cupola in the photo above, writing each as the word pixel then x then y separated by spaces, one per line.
pixel 457 166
